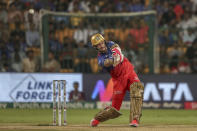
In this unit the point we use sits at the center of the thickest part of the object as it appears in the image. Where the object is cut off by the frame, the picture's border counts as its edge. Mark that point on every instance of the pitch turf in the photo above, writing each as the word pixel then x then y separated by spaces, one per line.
pixel 78 119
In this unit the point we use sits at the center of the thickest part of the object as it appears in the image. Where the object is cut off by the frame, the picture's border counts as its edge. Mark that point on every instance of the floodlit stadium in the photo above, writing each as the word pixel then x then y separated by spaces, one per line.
pixel 85 65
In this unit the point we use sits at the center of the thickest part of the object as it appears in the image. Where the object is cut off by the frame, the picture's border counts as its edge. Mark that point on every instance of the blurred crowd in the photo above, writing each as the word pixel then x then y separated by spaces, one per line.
pixel 69 47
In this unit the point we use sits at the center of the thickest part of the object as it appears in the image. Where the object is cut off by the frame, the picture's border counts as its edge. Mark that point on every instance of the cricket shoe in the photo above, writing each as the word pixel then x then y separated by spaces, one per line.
pixel 94 123
pixel 134 123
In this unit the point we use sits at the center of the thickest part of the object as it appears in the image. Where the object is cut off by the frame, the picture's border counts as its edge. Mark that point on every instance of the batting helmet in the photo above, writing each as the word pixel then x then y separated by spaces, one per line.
pixel 96 39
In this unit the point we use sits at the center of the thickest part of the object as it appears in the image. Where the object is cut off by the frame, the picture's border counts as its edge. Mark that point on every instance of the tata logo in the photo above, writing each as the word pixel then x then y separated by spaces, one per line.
pixel 169 92
pixel 152 92
pixel 31 90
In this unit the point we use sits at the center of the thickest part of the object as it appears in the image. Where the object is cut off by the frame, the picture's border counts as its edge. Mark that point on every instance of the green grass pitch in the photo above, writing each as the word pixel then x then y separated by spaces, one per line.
pixel 43 117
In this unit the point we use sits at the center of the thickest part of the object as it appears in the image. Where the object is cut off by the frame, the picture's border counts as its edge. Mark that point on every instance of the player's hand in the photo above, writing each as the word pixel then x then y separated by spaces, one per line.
pixel 117 56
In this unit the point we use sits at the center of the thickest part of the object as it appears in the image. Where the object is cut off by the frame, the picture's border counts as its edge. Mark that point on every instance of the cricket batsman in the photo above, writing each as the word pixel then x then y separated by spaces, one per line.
pixel 124 79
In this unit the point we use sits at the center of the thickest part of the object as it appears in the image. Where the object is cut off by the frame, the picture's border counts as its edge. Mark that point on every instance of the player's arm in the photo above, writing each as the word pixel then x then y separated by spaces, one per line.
pixel 117 57
pixel 105 62
pixel 108 62
pixel 114 46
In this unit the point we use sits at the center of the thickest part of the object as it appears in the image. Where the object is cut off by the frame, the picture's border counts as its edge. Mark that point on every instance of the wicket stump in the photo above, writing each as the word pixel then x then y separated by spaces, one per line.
pixel 59 84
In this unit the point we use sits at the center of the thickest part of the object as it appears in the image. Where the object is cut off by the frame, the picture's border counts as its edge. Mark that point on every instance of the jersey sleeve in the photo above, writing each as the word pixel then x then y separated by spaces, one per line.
pixel 101 61
pixel 111 43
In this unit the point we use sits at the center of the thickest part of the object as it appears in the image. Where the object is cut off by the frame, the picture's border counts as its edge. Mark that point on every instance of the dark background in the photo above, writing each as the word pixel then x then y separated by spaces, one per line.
pixel 89 81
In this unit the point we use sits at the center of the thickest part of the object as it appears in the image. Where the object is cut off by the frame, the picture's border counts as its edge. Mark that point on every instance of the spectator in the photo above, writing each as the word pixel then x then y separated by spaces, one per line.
pixel 4 58
pixel 136 6
pixel 191 52
pixel 67 55
pixel 54 44
pixel 140 32
pixel 13 12
pixel 164 69
pixel 186 22
pixel 94 28
pixel 76 95
pixel 168 16
pixel 194 65
pixel 17 32
pixel 81 50
pixel 123 33
pixel 6 68
pixel 73 6
pixel 183 66
pixel 189 36
pixel 177 24
pixel 32 37
pixel 3 13
pixel 52 65
pixel 81 33
pixel 175 50
pixel 85 5
pixel 31 17
pixel 94 7
pixel 16 58
pixel 82 66
pixel 130 51
pixel 178 10
pixel 81 61
pixel 62 5
pixel 29 63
